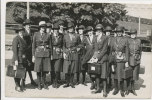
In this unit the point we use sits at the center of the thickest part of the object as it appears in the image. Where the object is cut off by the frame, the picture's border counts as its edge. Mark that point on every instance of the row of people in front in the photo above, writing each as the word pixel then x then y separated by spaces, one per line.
pixel 70 53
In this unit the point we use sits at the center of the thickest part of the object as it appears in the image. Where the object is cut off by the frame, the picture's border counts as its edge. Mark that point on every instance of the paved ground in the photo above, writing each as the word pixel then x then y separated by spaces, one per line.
pixel 143 86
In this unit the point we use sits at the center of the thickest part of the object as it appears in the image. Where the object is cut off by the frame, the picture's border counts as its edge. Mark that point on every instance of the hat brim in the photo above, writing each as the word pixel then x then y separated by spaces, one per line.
pixel 44 25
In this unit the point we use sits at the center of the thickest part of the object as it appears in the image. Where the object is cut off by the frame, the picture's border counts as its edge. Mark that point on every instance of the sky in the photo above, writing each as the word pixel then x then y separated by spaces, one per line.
pixel 140 10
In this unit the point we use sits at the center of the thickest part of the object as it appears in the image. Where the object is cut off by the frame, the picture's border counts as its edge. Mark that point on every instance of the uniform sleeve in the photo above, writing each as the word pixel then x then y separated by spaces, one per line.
pixel 127 50
pixel 64 44
pixel 15 48
pixel 50 44
pixel 140 51
pixel 34 45
pixel 104 49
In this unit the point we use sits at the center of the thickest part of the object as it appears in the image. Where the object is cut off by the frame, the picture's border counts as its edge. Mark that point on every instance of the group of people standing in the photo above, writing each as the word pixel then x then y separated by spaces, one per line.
pixel 56 48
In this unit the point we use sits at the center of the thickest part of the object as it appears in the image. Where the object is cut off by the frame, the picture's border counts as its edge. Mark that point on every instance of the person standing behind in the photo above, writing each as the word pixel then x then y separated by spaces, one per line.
pixel 19 47
pixel 42 50
pixel 134 58
pixel 119 49
pixel 49 28
pixel 70 53
pixel 89 43
pixel 82 69
pixel 29 38
pixel 57 56
pixel 108 32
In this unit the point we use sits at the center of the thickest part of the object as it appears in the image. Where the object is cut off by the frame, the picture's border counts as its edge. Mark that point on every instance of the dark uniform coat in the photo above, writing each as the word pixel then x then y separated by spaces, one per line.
pixel 29 38
pixel 119 50
pixel 42 50
pixel 19 48
pixel 70 49
pixel 89 45
pixel 57 45
pixel 135 56
pixel 82 52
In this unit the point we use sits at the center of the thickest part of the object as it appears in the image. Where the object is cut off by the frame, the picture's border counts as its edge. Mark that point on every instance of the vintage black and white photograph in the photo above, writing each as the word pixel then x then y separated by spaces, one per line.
pixel 87 50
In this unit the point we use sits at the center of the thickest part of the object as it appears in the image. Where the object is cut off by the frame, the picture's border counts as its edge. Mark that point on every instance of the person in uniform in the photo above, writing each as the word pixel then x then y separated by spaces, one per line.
pixel 82 69
pixel 89 43
pixel 42 50
pixel 19 47
pixel 70 53
pixel 108 32
pixel 29 38
pixel 119 49
pixel 57 56
pixel 100 54
pixel 134 59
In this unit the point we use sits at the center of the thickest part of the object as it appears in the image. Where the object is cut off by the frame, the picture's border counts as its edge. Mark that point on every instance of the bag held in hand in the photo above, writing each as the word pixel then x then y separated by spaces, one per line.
pixel 142 70
pixel 19 73
pixel 94 68
pixel 127 73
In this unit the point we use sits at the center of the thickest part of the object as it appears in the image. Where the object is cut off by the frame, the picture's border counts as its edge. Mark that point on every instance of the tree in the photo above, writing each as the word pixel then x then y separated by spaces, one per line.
pixel 79 13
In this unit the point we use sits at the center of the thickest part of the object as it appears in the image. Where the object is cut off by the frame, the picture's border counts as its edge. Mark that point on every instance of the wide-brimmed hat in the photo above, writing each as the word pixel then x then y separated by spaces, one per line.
pixel 48 25
pixel 133 31
pixel 19 28
pixel 42 24
pixel 81 27
pixel 99 27
pixel 89 28
pixel 70 25
pixel 119 29
pixel 27 22
pixel 56 26
pixel 108 29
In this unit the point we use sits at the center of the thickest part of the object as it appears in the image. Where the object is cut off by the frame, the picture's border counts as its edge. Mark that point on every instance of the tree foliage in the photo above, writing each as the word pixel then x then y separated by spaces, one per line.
pixel 85 13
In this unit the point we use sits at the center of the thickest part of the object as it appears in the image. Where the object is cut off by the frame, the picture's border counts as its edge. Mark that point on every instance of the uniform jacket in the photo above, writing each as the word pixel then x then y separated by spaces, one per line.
pixel 29 38
pixel 57 44
pixel 41 46
pixel 19 48
pixel 88 44
pixel 70 46
pixel 119 44
pixel 134 51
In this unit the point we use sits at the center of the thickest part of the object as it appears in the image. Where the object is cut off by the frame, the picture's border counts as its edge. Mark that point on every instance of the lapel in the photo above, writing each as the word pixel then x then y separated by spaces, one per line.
pixel 23 42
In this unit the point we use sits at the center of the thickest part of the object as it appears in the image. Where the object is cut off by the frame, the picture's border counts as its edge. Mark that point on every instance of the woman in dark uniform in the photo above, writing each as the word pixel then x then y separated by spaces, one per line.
pixel 70 53
pixel 134 59
pixel 41 50
pixel 57 56
pixel 89 43
pixel 119 49
pixel 19 59
pixel 99 54
pixel 82 69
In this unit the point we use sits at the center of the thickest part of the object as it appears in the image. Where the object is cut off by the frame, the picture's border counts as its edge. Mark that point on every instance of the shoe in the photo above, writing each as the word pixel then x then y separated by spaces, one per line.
pixel 66 85
pixel 17 88
pixel 45 87
pixel 39 87
pixel 77 83
pixel 122 94
pixel 85 84
pixel 104 94
pixel 57 85
pixel 134 92
pixel 127 92
pixel 92 87
pixel 54 85
pixel 72 85
pixel 95 92
pixel 33 83
pixel 115 92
